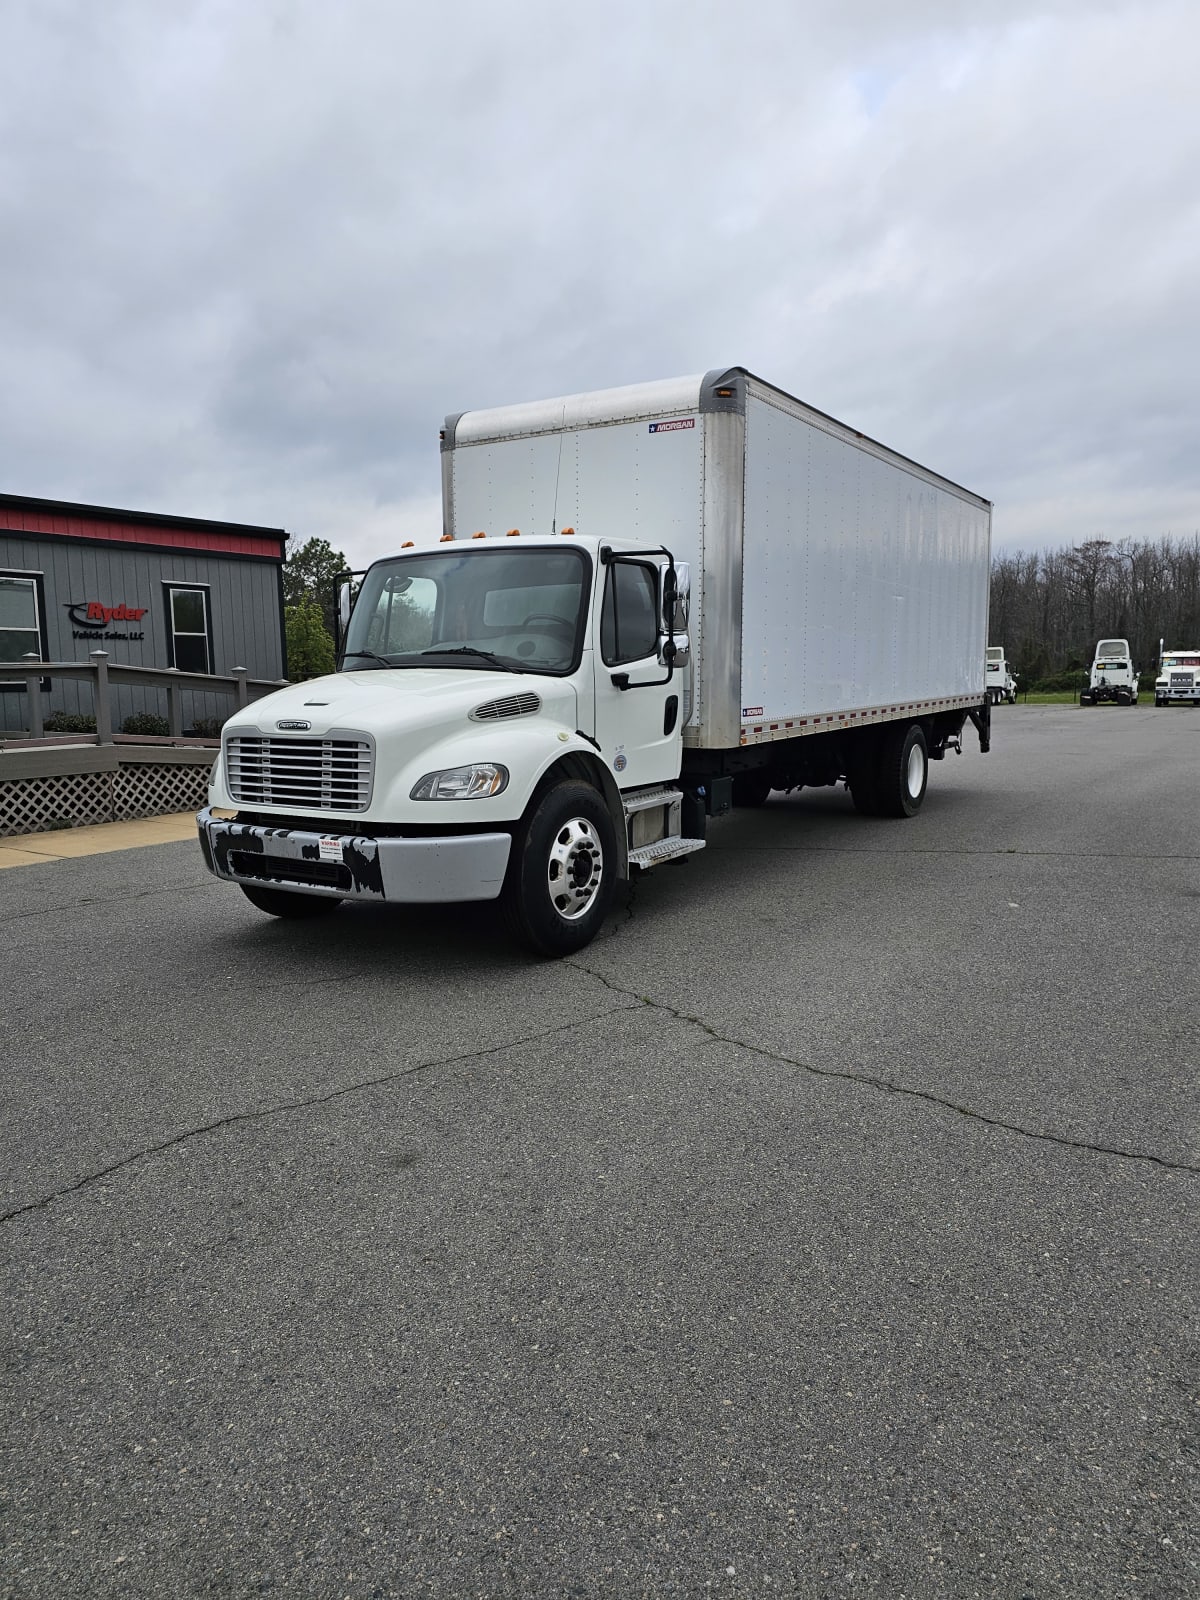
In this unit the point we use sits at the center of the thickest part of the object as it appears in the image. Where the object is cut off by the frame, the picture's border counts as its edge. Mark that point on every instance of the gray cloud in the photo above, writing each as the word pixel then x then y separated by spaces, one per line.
pixel 254 254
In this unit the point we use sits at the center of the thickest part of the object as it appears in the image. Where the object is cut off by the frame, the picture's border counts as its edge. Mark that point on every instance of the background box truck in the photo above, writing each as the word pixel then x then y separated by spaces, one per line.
pixel 648 604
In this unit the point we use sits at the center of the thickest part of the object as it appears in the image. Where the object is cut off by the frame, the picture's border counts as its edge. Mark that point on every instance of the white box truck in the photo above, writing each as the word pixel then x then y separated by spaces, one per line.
pixel 648 604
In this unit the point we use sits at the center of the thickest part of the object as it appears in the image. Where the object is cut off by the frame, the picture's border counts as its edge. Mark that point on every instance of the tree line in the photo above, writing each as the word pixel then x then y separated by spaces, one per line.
pixel 1049 610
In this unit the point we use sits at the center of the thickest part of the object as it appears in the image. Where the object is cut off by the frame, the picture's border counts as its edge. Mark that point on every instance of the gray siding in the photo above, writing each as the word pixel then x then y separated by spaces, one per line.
pixel 244 606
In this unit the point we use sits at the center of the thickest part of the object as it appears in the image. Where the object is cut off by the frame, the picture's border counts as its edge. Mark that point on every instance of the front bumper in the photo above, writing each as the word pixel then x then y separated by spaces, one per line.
pixel 353 866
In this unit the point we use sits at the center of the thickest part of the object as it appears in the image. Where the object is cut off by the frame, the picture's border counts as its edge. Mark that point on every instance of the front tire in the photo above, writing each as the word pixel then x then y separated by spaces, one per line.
pixel 562 872
pixel 288 902
pixel 903 770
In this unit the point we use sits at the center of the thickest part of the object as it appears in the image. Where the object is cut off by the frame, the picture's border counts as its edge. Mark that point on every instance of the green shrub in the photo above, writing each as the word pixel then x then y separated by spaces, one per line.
pixel 146 722
pixel 69 722
pixel 208 727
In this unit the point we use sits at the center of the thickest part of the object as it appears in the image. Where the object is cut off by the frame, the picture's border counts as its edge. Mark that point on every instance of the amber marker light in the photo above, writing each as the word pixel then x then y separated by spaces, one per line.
pixel 407 545
pixel 479 536
pixel 447 538
pixel 513 533
pixel 567 531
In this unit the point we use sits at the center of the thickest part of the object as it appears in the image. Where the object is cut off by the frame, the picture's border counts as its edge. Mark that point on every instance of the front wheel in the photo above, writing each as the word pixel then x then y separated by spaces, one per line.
pixel 903 770
pixel 562 871
pixel 288 902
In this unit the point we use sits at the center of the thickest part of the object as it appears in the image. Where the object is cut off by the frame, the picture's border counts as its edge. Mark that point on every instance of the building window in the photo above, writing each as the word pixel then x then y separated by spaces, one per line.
pixel 22 616
pixel 189 627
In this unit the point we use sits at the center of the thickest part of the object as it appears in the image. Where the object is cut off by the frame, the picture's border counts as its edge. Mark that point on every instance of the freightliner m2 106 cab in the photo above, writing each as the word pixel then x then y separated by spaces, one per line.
pixel 1112 678
pixel 649 604
pixel 1178 680
pixel 1001 683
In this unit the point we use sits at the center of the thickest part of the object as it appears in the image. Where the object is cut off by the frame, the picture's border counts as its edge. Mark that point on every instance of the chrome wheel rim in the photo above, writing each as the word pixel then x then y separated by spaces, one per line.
pixel 916 770
pixel 575 870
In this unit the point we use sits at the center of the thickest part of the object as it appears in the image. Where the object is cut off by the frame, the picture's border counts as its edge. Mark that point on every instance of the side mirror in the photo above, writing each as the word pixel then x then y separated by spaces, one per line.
pixel 343 604
pixel 676 589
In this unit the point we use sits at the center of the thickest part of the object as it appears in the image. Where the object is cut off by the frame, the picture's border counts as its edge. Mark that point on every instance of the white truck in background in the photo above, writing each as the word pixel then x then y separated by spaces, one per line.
pixel 1112 679
pixel 648 604
pixel 1178 681
pixel 1001 683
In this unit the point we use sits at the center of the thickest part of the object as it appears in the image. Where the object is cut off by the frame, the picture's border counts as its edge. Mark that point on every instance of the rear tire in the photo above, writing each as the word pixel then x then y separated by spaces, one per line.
pixel 903 770
pixel 751 788
pixel 289 902
pixel 562 871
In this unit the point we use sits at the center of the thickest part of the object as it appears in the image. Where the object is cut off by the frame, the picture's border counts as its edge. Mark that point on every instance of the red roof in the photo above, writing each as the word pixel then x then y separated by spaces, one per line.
pixel 21 515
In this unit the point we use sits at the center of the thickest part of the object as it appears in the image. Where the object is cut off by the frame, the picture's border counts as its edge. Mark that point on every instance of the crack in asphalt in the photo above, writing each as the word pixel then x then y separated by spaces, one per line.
pixel 284 1106
pixel 886 1086
pixel 99 899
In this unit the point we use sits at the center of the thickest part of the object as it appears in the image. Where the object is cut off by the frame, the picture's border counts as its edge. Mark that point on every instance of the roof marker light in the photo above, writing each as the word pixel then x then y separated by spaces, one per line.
pixel 513 533
pixel 568 530
pixel 479 536
pixel 407 545
pixel 447 538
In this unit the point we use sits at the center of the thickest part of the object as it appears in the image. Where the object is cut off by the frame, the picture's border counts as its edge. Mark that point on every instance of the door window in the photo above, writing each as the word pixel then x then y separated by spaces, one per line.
pixel 629 617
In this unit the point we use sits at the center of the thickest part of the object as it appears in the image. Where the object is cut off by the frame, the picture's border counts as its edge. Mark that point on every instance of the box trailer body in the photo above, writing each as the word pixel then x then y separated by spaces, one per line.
pixel 833 577
pixel 647 605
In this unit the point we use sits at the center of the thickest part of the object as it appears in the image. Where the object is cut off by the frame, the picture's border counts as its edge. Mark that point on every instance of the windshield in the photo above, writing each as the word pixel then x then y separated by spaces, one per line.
pixel 507 610
pixel 995 654
pixel 1112 647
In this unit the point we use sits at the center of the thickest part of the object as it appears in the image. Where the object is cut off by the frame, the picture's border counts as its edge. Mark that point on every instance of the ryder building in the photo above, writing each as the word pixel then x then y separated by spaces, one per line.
pixel 152 591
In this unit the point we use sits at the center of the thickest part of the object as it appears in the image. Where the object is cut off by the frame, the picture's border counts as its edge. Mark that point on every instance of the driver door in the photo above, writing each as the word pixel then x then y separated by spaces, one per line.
pixel 639 728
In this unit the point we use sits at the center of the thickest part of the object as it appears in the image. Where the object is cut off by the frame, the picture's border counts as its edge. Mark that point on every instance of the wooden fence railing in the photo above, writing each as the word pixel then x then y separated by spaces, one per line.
pixel 105 675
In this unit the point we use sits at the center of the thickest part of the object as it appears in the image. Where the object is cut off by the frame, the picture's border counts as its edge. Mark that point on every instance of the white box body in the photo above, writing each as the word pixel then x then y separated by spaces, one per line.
pixel 834 581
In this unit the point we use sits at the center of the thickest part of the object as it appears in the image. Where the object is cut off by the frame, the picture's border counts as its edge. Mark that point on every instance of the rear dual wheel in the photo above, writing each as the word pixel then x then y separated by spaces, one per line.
pixel 889 779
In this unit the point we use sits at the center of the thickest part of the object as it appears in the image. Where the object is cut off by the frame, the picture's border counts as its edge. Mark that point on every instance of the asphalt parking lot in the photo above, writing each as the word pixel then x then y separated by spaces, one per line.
pixel 828 1226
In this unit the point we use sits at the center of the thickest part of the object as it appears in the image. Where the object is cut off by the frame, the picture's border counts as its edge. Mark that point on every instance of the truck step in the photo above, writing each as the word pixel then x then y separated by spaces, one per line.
pixel 653 855
pixel 643 799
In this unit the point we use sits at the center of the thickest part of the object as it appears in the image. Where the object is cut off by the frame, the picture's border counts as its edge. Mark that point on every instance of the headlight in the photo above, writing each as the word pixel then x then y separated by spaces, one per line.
pixel 477 782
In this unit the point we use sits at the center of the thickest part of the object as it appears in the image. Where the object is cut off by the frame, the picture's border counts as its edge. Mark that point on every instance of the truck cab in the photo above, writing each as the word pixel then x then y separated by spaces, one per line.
pixel 508 711
pixel 1178 681
pixel 1001 683
pixel 1112 680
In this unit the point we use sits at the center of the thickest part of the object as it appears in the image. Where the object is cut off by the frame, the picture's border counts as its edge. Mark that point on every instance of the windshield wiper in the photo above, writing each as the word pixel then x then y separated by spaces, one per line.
pixel 469 650
pixel 372 655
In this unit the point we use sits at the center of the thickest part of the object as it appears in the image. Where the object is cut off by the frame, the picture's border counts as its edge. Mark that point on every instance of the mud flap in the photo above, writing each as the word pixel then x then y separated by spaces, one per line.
pixel 981 716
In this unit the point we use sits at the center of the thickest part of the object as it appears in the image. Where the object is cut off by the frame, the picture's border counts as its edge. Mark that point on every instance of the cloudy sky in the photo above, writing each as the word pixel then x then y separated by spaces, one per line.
pixel 255 250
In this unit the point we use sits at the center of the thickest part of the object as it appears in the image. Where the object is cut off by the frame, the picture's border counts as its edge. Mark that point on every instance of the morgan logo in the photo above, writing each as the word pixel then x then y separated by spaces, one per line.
pixel 293 725
pixel 673 427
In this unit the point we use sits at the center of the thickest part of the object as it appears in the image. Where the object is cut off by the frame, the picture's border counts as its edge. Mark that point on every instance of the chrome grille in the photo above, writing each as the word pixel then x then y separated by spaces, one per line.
pixel 316 774
pixel 509 705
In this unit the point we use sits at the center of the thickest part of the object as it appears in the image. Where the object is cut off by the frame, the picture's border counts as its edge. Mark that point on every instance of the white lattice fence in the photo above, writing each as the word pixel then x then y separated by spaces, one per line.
pixel 72 800
pixel 39 805
pixel 150 791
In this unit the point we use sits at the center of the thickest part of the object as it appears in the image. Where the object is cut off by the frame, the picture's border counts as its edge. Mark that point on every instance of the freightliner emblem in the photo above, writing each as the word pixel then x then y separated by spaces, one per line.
pixel 293 726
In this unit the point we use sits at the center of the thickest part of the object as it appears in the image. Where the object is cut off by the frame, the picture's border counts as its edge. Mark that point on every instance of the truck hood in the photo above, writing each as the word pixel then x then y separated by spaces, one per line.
pixel 385 702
